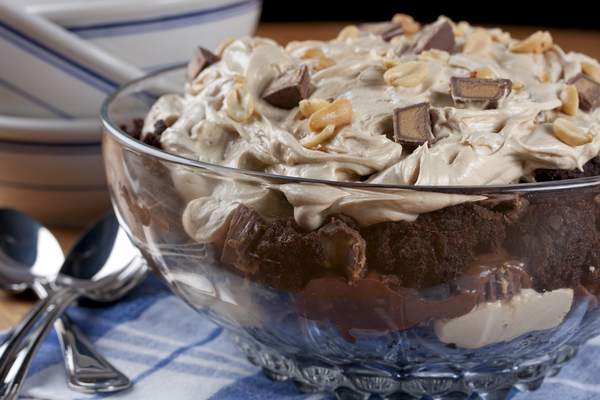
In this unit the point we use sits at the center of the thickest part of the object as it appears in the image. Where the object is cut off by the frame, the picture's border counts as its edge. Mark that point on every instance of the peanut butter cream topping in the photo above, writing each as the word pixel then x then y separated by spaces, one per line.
pixel 222 119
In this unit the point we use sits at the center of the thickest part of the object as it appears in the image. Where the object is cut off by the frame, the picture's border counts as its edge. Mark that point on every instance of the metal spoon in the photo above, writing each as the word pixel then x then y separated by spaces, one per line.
pixel 30 258
pixel 12 384
pixel 102 266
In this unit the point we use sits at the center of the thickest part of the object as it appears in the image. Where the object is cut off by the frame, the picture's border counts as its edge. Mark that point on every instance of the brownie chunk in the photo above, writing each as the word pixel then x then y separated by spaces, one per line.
pixel 136 129
pixel 559 240
pixel 436 247
pixel 153 138
pixel 590 168
pixel 284 256
pixel 288 257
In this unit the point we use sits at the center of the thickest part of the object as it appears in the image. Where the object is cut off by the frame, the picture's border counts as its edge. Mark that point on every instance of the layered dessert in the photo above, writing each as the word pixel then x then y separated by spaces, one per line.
pixel 385 105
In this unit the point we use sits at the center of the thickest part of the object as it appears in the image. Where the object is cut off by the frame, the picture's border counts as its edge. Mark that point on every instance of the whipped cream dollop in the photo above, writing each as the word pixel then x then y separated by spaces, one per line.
pixel 469 146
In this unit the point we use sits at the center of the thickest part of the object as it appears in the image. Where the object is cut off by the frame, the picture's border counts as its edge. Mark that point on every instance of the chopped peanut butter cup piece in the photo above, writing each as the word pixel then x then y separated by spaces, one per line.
pixel 387 30
pixel 412 125
pixel 289 88
pixel 479 93
pixel 504 283
pixel 440 36
pixel 345 250
pixel 245 230
pixel 202 58
pixel 588 90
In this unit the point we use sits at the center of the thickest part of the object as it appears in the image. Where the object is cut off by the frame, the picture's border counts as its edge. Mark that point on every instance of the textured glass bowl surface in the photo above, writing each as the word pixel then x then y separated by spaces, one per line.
pixel 264 322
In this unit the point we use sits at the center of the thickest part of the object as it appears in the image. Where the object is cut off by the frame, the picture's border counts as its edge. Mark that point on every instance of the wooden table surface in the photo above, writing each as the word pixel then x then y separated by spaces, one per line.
pixel 585 41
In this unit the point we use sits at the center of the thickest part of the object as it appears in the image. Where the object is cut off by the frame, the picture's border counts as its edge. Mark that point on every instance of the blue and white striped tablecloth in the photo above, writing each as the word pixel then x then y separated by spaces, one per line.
pixel 170 352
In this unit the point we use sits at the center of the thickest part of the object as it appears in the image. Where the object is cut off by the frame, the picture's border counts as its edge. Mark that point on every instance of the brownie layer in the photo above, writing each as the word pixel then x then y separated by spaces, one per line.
pixel 557 239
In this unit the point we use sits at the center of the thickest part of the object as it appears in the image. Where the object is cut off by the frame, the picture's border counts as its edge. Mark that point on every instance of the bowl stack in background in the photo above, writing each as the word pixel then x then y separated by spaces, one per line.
pixel 59 59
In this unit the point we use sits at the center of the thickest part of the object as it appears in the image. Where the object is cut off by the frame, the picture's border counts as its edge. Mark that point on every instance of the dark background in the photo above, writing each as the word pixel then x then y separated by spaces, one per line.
pixel 567 14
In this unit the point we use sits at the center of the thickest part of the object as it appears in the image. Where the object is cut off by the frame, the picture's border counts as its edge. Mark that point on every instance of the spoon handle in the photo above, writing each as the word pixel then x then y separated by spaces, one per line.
pixel 14 373
pixel 10 343
pixel 87 370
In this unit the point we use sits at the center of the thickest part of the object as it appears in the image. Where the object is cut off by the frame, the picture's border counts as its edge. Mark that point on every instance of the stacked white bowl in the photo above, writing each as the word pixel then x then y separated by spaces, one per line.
pixel 59 61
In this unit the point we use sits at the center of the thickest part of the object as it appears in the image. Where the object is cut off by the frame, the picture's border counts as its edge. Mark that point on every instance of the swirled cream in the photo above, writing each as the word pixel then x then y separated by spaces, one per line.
pixel 222 119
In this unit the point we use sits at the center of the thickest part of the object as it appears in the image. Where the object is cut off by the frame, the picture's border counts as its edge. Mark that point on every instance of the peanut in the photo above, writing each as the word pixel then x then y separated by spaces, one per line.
pixel 390 63
pixel 409 74
pixel 591 70
pixel 319 138
pixel 538 42
pixel 547 42
pixel 546 77
pixel 478 43
pixel 517 85
pixel 349 32
pixel 500 37
pixel 409 25
pixel 528 45
pixel 240 103
pixel 337 113
pixel 460 29
pixel 439 56
pixel 569 133
pixel 170 119
pixel 324 63
pixel 309 107
pixel 570 100
pixel 314 53
pixel 205 78
pixel 483 73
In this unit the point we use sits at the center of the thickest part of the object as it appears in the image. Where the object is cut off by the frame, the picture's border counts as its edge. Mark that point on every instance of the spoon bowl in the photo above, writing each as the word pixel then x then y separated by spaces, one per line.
pixel 30 257
pixel 29 253
pixel 97 257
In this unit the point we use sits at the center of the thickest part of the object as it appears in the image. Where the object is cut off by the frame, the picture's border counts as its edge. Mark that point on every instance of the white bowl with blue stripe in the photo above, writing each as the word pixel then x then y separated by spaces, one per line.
pixel 153 34
pixel 39 82
pixel 53 169
pixel 46 72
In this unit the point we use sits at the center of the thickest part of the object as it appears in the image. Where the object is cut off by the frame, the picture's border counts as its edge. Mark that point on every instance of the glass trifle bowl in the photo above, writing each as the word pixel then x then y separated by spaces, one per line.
pixel 357 288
